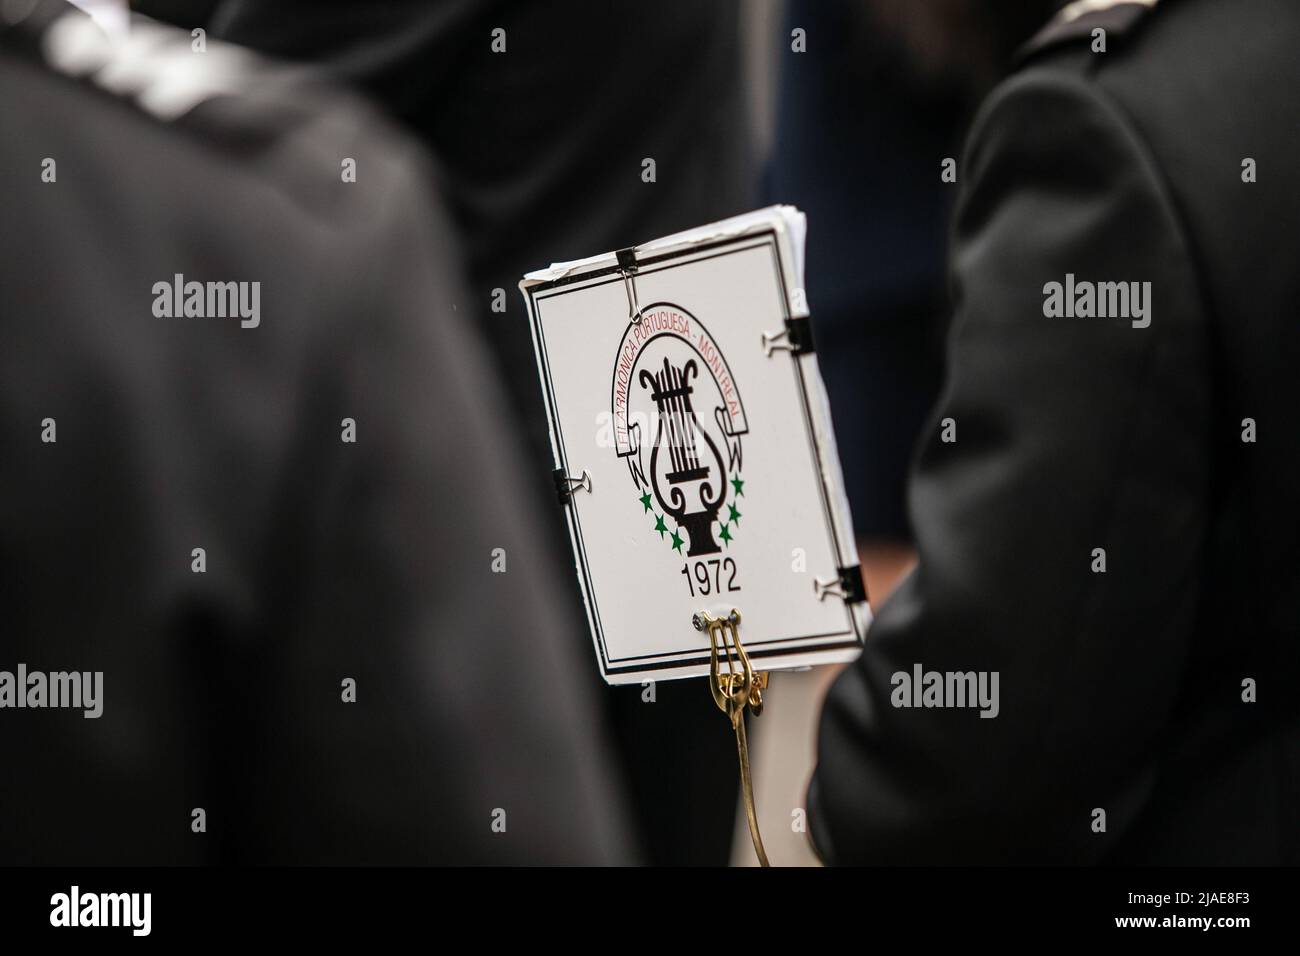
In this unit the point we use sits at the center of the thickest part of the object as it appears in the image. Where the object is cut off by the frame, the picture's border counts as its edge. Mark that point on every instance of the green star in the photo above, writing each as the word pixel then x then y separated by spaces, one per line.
pixel 725 535
pixel 645 500
pixel 739 486
pixel 677 541
pixel 735 515
pixel 660 526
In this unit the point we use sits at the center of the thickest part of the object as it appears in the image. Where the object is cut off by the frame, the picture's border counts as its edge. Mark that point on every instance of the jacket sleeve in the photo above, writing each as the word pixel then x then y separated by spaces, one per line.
pixel 1071 435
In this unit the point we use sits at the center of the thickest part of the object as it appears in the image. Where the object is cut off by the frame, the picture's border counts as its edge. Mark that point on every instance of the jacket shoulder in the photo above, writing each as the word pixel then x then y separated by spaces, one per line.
pixel 1076 22
pixel 251 114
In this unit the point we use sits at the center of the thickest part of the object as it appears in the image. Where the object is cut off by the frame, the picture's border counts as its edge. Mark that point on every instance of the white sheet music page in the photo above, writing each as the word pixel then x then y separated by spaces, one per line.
pixel 694 453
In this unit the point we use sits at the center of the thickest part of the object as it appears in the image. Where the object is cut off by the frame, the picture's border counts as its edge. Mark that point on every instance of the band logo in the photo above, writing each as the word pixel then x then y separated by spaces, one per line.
pixel 678 421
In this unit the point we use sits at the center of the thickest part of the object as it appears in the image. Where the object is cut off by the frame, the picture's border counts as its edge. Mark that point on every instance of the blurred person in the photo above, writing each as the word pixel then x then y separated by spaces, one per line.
pixel 271 531
pixel 865 117
pixel 540 114
pixel 1107 534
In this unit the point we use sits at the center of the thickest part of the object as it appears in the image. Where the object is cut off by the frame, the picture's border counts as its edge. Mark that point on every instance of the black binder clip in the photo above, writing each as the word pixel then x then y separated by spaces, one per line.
pixel 565 486
pixel 627 268
pixel 796 338
pixel 849 586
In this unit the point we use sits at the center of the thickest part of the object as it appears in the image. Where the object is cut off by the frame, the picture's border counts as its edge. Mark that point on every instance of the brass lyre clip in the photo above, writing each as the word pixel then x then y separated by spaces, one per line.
pixel 734 688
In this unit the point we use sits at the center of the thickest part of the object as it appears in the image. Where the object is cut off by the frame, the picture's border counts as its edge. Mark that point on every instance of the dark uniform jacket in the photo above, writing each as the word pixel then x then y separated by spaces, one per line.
pixel 402 561
pixel 540 114
pixel 1162 690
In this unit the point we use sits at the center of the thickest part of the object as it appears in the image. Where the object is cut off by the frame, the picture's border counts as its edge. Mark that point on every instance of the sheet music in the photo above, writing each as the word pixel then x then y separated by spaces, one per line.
pixel 694 446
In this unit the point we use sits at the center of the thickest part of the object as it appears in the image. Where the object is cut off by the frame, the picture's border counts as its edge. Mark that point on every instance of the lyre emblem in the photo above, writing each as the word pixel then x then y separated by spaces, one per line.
pixel 687 471
pixel 678 421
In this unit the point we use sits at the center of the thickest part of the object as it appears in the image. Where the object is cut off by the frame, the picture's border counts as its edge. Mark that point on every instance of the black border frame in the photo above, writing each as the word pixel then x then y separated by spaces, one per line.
pixel 555 287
